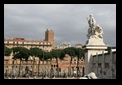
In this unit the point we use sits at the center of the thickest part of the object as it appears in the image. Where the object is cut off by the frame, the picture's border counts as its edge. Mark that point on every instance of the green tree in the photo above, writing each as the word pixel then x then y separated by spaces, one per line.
pixel 56 54
pixel 15 50
pixel 20 53
pixel 79 53
pixel 72 52
pixel 34 52
pixel 40 56
pixel 7 51
pixel 48 56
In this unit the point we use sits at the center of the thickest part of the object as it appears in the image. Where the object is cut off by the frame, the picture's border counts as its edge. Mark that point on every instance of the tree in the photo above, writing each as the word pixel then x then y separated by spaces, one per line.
pixel 79 53
pixel 15 50
pixel 7 51
pixel 56 54
pixel 40 56
pixel 47 56
pixel 34 52
pixel 72 52
pixel 20 53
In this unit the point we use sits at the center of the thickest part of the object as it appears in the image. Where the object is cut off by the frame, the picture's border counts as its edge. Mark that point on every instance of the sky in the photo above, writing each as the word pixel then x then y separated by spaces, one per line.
pixel 68 21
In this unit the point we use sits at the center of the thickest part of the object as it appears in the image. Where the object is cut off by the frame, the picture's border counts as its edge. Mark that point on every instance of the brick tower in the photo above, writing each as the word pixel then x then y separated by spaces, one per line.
pixel 49 36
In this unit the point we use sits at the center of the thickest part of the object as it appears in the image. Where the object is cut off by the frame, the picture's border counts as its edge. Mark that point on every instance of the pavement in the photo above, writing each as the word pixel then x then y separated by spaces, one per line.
pixel 41 78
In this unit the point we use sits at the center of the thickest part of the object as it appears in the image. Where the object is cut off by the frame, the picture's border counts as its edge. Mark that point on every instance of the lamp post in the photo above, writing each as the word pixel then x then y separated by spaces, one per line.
pixel 43 67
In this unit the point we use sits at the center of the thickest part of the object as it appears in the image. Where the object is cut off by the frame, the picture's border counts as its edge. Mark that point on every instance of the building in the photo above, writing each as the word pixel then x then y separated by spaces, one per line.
pixel 64 45
pixel 78 45
pixel 47 44
pixel 64 65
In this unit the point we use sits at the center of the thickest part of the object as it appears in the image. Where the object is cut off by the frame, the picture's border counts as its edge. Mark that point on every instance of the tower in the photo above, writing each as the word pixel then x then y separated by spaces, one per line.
pixel 49 36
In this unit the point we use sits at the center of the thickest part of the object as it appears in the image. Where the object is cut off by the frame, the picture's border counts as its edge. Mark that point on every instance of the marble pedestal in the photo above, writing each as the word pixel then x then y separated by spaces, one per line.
pixel 92 47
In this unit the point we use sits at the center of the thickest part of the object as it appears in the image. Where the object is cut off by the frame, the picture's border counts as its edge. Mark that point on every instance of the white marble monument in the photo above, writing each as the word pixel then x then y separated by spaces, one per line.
pixel 94 44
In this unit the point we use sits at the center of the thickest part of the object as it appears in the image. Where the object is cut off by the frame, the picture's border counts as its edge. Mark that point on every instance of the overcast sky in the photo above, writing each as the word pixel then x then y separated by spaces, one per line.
pixel 68 21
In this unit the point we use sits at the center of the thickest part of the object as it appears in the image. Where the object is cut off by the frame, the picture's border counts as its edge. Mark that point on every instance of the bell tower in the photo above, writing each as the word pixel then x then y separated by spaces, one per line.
pixel 49 36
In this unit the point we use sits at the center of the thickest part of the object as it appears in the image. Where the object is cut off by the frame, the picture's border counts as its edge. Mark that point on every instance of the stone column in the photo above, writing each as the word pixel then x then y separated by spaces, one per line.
pixel 97 60
pixel 111 62
pixel 103 66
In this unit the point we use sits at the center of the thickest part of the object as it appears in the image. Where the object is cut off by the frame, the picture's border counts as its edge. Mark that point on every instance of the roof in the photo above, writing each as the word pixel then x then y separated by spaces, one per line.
pixel 78 44
pixel 23 40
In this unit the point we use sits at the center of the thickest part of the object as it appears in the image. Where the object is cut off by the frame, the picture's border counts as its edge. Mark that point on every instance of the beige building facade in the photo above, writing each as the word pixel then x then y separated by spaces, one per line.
pixel 64 65
pixel 47 44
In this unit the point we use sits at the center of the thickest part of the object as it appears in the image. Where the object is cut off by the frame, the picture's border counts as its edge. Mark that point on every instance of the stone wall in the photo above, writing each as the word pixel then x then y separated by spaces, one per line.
pixel 104 65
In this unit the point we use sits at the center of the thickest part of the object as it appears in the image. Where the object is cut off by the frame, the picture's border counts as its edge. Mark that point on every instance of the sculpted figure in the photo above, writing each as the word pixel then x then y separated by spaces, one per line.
pixel 91 21
pixel 98 31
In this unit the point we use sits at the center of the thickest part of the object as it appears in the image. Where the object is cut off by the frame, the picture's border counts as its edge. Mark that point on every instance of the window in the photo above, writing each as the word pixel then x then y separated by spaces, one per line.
pixel 99 65
pixel 104 73
pixel 94 65
pixel 106 65
pixel 81 59
pixel 56 65
pixel 10 42
pixel 19 42
pixel 59 69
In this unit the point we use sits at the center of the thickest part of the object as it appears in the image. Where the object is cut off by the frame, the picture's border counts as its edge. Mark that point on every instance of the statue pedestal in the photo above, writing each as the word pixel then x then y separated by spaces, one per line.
pixel 92 47
pixel 94 40
pixel 94 44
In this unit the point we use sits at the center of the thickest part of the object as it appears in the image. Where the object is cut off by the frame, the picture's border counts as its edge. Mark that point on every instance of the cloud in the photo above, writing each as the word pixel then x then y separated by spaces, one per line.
pixel 68 21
